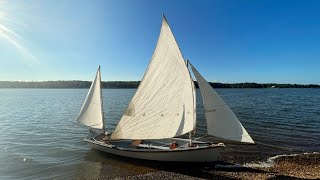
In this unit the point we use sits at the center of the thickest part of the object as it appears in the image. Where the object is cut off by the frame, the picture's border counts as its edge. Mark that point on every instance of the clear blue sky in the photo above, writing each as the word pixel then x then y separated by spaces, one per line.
pixel 227 41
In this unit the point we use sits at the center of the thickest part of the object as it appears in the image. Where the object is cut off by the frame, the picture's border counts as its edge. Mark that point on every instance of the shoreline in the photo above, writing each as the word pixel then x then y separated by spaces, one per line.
pixel 294 166
pixel 78 84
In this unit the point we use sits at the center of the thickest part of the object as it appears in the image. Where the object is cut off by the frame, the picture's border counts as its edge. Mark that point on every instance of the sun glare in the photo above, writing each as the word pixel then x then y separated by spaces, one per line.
pixel 9 30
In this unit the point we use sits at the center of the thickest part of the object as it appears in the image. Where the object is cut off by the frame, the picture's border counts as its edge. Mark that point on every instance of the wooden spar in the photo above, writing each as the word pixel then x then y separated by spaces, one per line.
pixel 190 139
pixel 102 114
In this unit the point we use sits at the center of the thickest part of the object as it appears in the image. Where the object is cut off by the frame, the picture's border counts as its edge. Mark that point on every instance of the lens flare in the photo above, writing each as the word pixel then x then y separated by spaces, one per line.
pixel 9 30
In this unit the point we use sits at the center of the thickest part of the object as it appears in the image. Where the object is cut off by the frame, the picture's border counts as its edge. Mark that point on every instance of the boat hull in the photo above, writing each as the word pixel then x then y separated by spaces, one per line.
pixel 196 154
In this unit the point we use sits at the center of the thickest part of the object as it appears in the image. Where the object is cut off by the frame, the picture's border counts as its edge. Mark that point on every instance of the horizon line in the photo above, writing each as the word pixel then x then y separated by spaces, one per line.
pixel 140 81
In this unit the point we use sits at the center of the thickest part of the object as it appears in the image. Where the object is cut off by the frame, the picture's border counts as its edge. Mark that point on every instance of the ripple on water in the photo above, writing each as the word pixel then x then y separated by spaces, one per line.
pixel 40 139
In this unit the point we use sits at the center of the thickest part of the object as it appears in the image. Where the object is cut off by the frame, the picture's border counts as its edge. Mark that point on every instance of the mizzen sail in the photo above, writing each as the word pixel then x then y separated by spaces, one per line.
pixel 163 105
pixel 91 113
pixel 221 121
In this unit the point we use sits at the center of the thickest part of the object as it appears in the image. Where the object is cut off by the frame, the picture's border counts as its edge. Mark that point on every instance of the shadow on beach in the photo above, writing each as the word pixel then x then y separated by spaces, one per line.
pixel 107 166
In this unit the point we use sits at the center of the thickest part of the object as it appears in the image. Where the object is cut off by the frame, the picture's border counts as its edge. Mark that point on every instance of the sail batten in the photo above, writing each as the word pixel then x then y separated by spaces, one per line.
pixel 221 121
pixel 91 113
pixel 163 102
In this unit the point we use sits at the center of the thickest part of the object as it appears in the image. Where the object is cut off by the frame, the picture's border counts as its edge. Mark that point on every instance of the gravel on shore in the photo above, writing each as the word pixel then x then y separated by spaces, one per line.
pixel 303 166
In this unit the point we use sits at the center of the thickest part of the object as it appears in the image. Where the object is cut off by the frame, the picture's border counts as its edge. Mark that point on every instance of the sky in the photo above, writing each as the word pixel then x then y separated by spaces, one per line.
pixel 229 41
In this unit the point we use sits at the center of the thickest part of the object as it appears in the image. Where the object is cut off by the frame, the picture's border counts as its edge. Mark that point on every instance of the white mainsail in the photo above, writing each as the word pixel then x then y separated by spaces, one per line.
pixel 91 113
pixel 163 105
pixel 221 121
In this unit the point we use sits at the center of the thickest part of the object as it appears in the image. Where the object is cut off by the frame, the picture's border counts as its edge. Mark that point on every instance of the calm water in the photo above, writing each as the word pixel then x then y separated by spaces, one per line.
pixel 40 139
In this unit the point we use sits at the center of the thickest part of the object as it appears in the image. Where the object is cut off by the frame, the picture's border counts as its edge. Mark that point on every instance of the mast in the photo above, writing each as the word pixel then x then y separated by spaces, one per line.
pixel 102 113
pixel 194 101
pixel 190 139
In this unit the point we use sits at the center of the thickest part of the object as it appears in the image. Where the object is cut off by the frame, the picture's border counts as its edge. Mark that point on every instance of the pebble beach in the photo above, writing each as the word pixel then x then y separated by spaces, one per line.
pixel 297 166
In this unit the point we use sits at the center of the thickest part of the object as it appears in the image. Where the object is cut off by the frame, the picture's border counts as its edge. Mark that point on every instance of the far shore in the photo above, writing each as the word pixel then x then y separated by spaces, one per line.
pixel 135 84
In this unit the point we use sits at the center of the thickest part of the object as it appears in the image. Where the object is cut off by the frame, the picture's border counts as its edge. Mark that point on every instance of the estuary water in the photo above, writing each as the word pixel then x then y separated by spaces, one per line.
pixel 39 138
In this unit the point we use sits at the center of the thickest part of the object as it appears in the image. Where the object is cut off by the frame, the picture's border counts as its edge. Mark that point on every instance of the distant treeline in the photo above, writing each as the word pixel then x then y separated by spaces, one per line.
pixel 135 84
pixel 66 84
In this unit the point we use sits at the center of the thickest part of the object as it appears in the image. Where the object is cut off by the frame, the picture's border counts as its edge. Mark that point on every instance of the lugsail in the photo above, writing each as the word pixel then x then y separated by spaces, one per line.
pixel 91 113
pixel 163 105
pixel 221 121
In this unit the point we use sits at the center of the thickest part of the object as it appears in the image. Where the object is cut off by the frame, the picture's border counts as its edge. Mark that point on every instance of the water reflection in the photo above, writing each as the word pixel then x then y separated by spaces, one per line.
pixel 97 164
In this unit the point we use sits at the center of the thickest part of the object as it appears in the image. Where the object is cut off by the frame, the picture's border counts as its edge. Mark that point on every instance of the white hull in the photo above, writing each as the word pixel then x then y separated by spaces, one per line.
pixel 207 153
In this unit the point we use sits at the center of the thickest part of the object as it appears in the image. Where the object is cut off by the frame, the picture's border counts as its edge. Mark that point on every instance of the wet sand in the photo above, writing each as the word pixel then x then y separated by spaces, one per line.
pixel 303 166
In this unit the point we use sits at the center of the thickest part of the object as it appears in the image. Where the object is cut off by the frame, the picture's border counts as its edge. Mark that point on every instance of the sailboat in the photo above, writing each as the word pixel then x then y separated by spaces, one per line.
pixel 162 110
